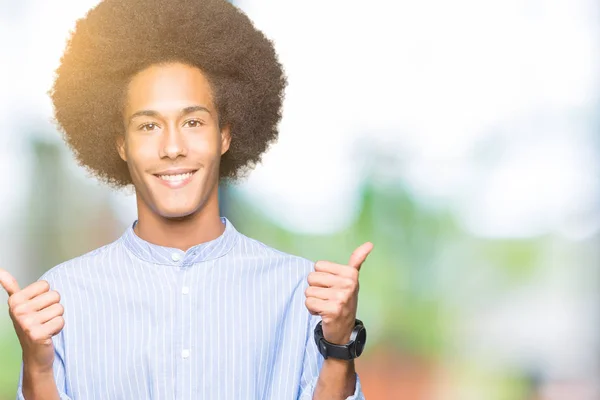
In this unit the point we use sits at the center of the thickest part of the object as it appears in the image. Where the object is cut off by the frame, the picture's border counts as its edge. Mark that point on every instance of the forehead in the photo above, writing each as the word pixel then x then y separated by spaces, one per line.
pixel 168 87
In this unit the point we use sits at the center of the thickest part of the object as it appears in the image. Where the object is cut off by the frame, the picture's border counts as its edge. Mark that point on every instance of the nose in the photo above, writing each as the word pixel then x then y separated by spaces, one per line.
pixel 173 144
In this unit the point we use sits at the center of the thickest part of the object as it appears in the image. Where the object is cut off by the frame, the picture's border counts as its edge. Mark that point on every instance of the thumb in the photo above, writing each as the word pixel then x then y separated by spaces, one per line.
pixel 8 282
pixel 360 255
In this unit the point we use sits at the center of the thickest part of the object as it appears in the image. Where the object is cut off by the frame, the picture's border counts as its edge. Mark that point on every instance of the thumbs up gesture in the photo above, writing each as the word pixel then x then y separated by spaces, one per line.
pixel 37 316
pixel 333 294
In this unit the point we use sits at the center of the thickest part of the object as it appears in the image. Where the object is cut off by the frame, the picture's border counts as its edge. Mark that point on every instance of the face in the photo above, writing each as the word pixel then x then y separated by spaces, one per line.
pixel 172 142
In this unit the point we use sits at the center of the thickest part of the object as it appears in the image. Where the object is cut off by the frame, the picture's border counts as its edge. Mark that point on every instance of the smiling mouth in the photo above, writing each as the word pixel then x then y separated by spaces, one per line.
pixel 176 179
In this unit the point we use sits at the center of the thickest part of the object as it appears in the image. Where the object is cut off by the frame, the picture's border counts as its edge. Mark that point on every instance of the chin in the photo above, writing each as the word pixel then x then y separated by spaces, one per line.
pixel 176 212
pixel 168 204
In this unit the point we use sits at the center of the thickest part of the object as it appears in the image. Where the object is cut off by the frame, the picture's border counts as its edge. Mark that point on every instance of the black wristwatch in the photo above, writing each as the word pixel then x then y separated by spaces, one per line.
pixel 348 351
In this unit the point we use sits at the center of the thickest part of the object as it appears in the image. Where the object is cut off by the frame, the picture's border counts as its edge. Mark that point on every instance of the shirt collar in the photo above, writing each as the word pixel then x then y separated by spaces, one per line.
pixel 156 254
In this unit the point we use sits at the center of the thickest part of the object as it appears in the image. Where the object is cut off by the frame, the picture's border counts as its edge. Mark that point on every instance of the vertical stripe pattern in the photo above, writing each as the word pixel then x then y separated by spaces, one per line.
pixel 223 320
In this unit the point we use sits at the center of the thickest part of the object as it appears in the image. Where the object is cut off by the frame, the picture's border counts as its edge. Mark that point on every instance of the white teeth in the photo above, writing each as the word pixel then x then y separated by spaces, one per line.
pixel 174 178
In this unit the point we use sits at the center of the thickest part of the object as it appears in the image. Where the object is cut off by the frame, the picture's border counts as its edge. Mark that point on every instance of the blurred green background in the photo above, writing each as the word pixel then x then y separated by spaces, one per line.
pixel 460 138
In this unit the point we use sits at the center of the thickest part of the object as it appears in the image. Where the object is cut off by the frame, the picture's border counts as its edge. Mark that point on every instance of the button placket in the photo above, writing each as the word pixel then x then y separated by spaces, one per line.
pixel 186 349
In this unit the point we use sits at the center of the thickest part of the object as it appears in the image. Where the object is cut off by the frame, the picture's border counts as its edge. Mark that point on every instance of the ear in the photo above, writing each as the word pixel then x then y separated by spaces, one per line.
pixel 121 147
pixel 225 139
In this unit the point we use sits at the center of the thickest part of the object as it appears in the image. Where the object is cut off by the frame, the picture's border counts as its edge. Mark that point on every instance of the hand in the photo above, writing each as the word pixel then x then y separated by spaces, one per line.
pixel 37 316
pixel 333 294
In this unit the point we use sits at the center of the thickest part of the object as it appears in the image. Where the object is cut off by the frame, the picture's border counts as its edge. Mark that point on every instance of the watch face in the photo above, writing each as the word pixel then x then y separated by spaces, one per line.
pixel 359 342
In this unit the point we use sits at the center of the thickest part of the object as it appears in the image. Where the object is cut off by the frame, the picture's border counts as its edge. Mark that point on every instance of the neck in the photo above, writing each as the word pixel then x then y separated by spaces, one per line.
pixel 181 233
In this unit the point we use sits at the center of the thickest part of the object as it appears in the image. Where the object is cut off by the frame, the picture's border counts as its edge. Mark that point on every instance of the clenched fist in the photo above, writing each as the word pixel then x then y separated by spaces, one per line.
pixel 37 316
pixel 333 294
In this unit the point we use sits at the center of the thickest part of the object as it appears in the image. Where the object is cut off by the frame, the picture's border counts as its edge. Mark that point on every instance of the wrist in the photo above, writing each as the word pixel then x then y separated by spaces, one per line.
pixel 35 370
pixel 339 334
pixel 337 379
pixel 337 339
pixel 340 365
pixel 39 383
pixel 342 368
pixel 350 349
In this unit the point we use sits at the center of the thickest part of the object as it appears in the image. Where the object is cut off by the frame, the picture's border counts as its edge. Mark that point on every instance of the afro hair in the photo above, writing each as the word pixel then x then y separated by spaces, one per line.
pixel 119 38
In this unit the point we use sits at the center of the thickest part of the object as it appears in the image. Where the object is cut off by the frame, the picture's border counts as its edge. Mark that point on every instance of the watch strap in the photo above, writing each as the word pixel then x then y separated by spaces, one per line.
pixel 339 351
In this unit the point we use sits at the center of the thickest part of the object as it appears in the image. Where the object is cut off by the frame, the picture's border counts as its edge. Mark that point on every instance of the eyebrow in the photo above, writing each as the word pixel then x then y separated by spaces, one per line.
pixel 152 113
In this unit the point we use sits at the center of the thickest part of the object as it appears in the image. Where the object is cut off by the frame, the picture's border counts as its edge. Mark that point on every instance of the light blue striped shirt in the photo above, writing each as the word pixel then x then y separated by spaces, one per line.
pixel 223 320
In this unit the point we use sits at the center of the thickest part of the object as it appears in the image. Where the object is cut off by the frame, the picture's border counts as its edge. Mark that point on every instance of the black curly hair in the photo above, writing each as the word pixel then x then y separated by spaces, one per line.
pixel 119 38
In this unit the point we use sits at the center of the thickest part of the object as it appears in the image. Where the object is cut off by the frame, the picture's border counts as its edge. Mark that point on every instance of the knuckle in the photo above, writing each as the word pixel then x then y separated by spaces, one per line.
pixel 353 286
pixel 32 334
pixel 345 297
pixel 19 310
pixel 353 274
pixel 37 335
pixel 45 286
pixel 12 302
pixel 27 322
pixel 350 284
pixel 55 296
pixel 28 329
pixel 337 308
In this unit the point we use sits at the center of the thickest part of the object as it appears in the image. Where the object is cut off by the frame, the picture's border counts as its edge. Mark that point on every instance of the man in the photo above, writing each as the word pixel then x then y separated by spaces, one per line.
pixel 171 96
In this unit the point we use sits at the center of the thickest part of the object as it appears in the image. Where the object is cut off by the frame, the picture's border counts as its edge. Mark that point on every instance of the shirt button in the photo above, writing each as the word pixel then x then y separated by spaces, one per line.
pixel 175 257
pixel 185 353
pixel 185 290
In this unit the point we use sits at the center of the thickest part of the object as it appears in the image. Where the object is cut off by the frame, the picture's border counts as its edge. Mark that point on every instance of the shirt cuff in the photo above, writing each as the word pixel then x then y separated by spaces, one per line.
pixel 21 397
pixel 358 394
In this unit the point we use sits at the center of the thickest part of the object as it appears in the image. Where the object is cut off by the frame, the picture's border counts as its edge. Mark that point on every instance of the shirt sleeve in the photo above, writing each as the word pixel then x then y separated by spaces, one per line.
pixel 58 370
pixel 58 366
pixel 313 361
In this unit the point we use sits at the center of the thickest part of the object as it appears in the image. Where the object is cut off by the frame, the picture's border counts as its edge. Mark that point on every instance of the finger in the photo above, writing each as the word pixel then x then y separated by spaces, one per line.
pixel 54 326
pixel 318 292
pixel 315 306
pixel 44 300
pixel 359 255
pixel 336 269
pixel 8 282
pixel 49 313
pixel 30 292
pixel 36 304
pixel 321 307
pixel 324 279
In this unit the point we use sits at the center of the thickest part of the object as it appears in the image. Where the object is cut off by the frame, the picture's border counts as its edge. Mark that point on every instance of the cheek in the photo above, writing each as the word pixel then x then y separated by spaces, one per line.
pixel 208 148
pixel 139 156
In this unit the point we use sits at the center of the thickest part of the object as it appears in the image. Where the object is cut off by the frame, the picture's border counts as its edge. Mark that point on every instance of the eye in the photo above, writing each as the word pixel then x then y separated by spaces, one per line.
pixel 194 123
pixel 148 127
